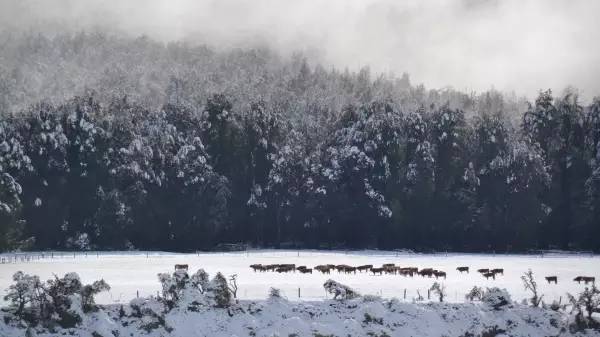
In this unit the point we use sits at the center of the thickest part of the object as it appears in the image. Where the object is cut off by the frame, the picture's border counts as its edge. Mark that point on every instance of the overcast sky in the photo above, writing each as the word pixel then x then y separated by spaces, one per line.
pixel 510 45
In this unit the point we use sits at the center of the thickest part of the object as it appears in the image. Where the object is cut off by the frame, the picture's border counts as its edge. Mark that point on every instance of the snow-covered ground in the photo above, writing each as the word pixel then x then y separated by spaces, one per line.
pixel 131 273
pixel 357 317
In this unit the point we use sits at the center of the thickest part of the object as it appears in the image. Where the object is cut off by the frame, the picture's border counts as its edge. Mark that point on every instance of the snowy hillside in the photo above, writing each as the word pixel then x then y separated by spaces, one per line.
pixel 358 317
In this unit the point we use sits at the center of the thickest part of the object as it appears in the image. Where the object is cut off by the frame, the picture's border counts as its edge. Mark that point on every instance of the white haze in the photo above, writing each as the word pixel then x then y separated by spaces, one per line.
pixel 520 46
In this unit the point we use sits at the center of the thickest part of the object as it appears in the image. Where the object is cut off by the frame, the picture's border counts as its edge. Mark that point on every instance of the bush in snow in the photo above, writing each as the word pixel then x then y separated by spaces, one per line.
pixel 475 294
pixel 179 287
pixel 23 294
pixel 151 313
pixel 496 298
pixel 588 302
pixel 530 284
pixel 65 304
pixel 274 293
pixel 439 289
pixel 232 285
pixel 173 286
pixel 59 300
pixel 339 291
pixel 371 298
pixel 200 280
pixel 218 291
pixel 88 292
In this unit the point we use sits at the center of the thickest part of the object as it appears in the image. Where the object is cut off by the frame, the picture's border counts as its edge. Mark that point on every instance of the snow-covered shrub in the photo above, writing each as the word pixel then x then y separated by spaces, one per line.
pixel 146 306
pixel 339 291
pixel 151 312
pixel 496 298
pixel 588 301
pixel 180 289
pixel 475 294
pixel 232 285
pixel 371 298
pixel 58 300
pixel 555 305
pixel 438 289
pixel 274 293
pixel 530 284
pixel 173 286
pixel 218 291
pixel 89 291
pixel 24 292
pixel 65 300
pixel 200 280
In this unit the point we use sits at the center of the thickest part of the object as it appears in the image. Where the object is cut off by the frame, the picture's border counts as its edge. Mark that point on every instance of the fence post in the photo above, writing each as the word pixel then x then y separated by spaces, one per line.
pixel 428 294
pixel 404 293
pixel 298 292
pixel 137 294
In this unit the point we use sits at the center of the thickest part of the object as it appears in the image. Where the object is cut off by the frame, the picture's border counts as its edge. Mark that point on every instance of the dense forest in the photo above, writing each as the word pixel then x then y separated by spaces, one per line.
pixel 120 143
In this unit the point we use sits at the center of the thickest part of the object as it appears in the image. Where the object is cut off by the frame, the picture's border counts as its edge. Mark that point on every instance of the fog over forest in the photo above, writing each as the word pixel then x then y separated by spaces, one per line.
pixel 520 46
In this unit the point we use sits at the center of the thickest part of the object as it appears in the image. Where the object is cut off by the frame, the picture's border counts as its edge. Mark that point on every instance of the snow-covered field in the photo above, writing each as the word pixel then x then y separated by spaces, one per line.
pixel 133 273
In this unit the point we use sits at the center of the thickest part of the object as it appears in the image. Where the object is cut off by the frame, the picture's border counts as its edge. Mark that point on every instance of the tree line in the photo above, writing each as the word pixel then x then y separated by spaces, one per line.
pixel 287 154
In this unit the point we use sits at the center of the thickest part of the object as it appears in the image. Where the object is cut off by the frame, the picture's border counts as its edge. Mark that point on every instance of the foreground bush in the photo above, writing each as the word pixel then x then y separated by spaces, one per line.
pixel 60 301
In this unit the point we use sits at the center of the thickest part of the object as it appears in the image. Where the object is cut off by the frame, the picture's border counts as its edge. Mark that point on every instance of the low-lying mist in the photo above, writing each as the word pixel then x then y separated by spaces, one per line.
pixel 520 46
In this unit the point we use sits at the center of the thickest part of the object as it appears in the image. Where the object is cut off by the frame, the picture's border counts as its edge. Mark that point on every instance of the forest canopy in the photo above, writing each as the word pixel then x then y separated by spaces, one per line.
pixel 119 143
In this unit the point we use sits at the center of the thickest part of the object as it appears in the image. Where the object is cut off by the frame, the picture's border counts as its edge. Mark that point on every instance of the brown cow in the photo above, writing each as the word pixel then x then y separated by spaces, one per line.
pixel 377 270
pixel 440 274
pixel 488 275
pixel 256 267
pixel 461 269
pixel 426 272
pixel 551 279
pixel 271 267
pixel 483 271
pixel 341 267
pixel 365 267
pixel 497 271
pixel 586 279
pixel 285 268
pixel 349 270
pixel 288 265
pixel 407 271
pixel 325 269
pixel 306 270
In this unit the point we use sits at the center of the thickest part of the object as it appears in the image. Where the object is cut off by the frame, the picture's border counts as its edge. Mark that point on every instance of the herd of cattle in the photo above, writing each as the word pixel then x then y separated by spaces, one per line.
pixel 391 268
